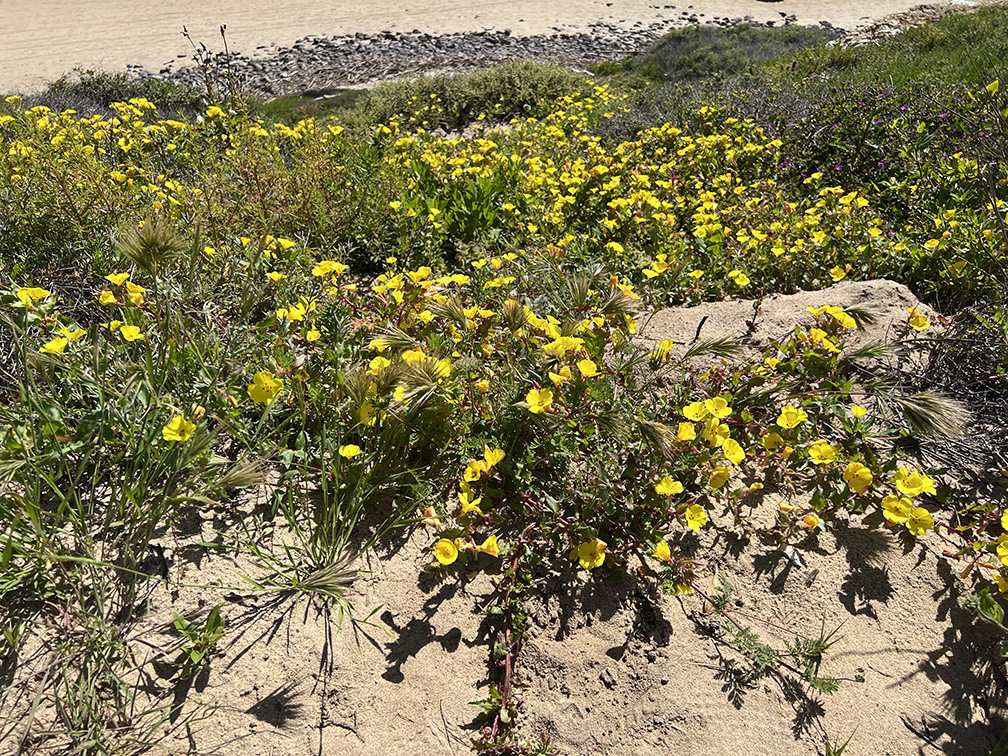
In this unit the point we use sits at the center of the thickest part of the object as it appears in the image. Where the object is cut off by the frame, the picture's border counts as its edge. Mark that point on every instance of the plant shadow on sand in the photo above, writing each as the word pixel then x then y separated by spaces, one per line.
pixel 968 664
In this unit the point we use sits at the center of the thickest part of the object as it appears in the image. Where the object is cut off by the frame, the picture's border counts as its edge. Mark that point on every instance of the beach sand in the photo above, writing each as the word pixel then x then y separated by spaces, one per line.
pixel 43 39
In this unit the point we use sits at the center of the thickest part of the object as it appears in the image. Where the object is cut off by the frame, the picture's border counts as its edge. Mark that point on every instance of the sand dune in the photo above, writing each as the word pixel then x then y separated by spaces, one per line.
pixel 42 39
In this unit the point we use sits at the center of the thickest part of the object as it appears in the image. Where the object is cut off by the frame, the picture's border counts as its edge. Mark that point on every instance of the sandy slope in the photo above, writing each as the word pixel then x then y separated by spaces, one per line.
pixel 611 666
pixel 41 39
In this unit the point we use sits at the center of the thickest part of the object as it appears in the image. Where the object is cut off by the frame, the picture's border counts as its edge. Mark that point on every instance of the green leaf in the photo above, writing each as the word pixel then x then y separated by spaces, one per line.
pixel 990 610
pixel 184 626
pixel 214 625
pixel 992 88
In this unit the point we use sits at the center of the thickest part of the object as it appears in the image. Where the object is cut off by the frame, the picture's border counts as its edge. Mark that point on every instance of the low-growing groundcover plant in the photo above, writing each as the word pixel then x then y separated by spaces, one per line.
pixel 402 330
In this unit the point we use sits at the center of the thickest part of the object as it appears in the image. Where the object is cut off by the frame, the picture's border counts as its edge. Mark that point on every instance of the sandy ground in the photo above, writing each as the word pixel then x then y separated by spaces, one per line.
pixel 42 39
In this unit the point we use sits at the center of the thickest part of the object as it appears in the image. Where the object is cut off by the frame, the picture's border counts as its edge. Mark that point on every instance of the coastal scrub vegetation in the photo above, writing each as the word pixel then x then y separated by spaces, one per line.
pixel 713 54
pixel 384 327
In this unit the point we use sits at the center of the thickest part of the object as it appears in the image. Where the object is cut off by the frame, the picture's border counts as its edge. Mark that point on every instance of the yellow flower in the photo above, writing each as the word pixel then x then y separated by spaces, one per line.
pixel 489 546
pixel 1002 552
pixel 661 351
pixel 562 377
pixel 107 298
pixel 716 433
pixel 475 469
pixel 378 364
pixel 918 321
pixel 740 278
pixel 733 451
pixel 587 368
pixel 591 554
pixel 482 385
pixel 413 357
pixel 719 477
pixel 687 432
pixel 135 293
pixel 822 452
pixel 858 477
pixel 294 314
pixel 838 274
pixel 492 456
pixel 896 509
pixel 695 411
pixel 562 345
pixel 117 279
pixel 131 333
pixel 264 387
pixel 327 267
pixel 445 551
pixel 858 411
pixel 469 501
pixel 1004 521
pixel 56 346
pixel 72 335
pixel 29 295
pixel 920 521
pixel 718 407
pixel 662 552
pixel 668 487
pixel 791 417
pixel 275 277
pixel 178 429
pixel 349 450
pixel 913 484
pixel 772 441
pixel 539 400
pixel 367 414
pixel 811 521
pixel 696 517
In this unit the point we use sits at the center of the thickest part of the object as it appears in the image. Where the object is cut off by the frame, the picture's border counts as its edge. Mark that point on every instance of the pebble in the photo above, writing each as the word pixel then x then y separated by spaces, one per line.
pixel 873 32
pixel 318 64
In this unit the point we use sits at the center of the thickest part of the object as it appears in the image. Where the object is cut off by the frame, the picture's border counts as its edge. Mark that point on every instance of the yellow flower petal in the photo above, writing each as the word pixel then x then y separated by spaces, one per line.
pixel 349 450
pixel 445 551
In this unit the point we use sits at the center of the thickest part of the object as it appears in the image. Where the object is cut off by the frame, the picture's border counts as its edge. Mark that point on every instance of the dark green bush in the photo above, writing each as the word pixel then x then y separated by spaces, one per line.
pixel 702 52
pixel 91 92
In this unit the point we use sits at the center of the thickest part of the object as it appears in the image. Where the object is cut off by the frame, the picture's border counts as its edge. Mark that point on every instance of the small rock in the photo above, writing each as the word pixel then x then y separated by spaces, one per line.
pixel 608 678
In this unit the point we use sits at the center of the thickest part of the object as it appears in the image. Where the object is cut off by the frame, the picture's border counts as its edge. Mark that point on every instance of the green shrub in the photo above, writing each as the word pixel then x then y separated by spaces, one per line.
pixel 703 52
pixel 91 92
